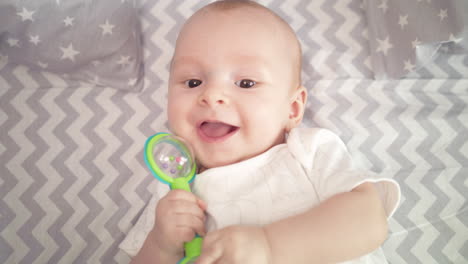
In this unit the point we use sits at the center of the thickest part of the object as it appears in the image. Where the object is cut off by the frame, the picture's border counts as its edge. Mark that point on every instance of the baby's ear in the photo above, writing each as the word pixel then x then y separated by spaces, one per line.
pixel 297 107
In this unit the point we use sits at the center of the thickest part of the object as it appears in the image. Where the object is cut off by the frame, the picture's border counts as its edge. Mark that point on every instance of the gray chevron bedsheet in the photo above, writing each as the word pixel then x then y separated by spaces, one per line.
pixel 390 77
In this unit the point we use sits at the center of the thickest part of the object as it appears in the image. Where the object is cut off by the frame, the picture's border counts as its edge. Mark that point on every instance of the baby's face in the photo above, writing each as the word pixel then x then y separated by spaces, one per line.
pixel 230 87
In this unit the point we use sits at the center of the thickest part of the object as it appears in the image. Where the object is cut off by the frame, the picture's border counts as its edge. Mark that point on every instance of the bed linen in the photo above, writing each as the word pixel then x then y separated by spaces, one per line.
pixel 72 176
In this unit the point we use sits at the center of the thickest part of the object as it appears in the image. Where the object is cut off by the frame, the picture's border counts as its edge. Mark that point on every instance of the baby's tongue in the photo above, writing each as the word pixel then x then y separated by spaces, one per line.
pixel 215 129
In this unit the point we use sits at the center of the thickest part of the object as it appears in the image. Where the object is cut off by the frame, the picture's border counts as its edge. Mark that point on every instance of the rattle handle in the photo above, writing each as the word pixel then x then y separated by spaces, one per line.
pixel 193 247
pixel 180 184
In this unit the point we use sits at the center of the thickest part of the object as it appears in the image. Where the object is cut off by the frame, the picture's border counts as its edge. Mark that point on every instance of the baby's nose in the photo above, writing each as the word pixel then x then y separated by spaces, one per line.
pixel 213 96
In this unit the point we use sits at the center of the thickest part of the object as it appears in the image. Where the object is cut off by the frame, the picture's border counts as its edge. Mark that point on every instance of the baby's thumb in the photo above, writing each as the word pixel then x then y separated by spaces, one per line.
pixel 202 204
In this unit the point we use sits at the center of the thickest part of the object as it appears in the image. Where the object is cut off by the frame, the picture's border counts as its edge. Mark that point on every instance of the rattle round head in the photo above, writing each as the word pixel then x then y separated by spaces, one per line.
pixel 169 157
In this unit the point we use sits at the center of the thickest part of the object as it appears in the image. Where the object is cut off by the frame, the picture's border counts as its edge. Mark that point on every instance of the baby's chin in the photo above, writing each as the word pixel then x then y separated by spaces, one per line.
pixel 205 164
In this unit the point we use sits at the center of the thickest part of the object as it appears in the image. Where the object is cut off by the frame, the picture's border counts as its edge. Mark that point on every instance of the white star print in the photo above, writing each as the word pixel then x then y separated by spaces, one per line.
pixel 409 66
pixel 415 43
pixel 106 28
pixel 132 81
pixel 42 64
pixel 403 21
pixel 383 5
pixel 384 45
pixel 68 21
pixel 13 42
pixel 124 61
pixel 442 14
pixel 69 53
pixel 34 39
pixel 26 15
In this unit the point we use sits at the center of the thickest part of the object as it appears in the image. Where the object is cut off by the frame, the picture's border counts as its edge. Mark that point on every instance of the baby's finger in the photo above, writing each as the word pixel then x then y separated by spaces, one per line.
pixel 182 195
pixel 202 204
pixel 212 249
pixel 212 253
pixel 184 233
pixel 184 207
pixel 192 222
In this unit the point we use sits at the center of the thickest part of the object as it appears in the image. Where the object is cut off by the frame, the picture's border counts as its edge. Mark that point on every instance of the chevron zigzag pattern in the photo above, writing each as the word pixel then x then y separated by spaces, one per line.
pixel 73 180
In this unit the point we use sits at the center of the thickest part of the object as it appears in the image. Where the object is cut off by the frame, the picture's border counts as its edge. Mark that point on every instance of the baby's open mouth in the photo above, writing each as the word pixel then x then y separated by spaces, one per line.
pixel 216 130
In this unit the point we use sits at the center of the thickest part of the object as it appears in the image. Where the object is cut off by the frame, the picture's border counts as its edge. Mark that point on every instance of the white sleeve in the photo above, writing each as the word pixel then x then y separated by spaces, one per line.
pixel 138 233
pixel 330 167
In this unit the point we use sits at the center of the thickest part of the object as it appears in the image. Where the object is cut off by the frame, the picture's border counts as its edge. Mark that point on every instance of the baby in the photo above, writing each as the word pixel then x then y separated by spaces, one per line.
pixel 267 191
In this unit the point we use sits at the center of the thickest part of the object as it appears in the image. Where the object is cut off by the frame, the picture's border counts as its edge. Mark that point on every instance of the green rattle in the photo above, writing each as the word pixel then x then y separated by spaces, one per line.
pixel 171 161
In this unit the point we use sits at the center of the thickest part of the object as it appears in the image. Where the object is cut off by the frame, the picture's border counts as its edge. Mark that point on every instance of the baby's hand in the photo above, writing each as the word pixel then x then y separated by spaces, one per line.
pixel 236 244
pixel 179 216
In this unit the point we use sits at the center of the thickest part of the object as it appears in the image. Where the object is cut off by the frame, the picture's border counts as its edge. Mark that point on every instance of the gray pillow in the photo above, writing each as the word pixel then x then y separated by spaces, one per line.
pixel 96 42
pixel 407 35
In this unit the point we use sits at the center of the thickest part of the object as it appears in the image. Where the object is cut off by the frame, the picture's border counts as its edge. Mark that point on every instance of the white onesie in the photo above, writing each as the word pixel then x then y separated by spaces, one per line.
pixel 285 180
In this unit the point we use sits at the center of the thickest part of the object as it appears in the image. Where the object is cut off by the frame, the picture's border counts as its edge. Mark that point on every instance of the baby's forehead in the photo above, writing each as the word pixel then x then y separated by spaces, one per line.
pixel 257 17
pixel 244 10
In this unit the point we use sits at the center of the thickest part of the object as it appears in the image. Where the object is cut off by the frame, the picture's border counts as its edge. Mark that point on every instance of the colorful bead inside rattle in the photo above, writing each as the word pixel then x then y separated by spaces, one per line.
pixel 172 157
pixel 172 164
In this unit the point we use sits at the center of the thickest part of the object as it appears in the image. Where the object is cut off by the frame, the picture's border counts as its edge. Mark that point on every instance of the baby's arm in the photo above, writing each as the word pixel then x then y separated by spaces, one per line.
pixel 346 226
pixel 179 216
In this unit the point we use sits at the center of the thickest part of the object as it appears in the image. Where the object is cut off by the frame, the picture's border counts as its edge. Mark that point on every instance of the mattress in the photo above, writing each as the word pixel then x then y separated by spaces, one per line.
pixel 72 176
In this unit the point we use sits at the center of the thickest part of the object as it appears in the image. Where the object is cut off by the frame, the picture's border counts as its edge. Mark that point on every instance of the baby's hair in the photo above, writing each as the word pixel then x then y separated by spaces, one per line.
pixel 226 5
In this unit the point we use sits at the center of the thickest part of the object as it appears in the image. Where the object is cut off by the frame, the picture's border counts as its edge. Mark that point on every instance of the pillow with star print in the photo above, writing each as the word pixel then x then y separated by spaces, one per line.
pixel 84 42
pixel 405 36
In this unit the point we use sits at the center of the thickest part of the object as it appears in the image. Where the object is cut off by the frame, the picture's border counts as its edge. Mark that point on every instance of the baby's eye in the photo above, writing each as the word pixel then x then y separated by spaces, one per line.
pixel 245 83
pixel 192 83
